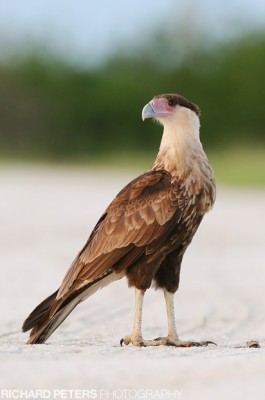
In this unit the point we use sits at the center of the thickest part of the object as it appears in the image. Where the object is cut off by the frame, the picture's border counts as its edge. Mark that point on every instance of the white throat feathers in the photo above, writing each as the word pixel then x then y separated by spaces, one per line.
pixel 180 143
pixel 181 151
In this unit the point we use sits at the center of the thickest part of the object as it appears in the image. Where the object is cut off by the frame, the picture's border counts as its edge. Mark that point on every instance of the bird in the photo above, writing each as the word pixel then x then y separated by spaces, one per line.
pixel 145 231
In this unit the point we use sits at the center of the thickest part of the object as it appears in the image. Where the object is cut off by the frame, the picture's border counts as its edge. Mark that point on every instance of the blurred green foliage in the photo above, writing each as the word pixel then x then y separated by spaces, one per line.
pixel 52 110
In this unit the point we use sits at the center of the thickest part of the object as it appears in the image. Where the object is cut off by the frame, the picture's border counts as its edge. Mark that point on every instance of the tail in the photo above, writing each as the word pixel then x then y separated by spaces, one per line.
pixel 51 312
pixel 43 320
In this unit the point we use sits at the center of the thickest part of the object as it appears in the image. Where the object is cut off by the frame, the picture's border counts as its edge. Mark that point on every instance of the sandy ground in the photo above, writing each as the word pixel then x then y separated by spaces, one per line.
pixel 46 215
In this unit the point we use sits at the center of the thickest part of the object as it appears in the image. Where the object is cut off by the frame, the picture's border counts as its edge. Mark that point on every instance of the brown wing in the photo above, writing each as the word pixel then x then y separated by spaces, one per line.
pixel 135 219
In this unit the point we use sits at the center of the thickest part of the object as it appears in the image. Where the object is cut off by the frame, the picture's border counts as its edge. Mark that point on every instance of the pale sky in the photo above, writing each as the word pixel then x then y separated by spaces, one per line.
pixel 91 29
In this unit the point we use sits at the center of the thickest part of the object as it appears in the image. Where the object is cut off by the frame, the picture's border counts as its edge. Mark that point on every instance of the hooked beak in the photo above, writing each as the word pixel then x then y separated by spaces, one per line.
pixel 156 108
pixel 148 112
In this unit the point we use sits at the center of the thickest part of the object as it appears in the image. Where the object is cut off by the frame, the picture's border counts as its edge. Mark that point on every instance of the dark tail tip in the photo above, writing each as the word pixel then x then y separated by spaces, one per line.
pixel 39 314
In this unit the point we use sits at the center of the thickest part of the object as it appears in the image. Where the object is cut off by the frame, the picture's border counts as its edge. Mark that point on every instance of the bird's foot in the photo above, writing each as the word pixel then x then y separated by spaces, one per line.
pixel 139 341
pixel 163 341
pixel 169 341
pixel 133 339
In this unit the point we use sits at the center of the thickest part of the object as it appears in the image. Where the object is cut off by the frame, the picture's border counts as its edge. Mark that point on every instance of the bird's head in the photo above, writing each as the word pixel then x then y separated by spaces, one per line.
pixel 180 151
pixel 181 136
pixel 167 108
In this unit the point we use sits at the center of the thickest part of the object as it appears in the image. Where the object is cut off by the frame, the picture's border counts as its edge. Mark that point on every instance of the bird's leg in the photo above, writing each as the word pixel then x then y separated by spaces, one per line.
pixel 136 337
pixel 172 339
pixel 172 331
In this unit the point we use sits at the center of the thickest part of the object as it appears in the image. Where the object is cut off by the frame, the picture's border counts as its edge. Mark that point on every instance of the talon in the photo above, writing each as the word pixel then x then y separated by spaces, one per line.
pixel 125 340
pixel 135 341
pixel 207 342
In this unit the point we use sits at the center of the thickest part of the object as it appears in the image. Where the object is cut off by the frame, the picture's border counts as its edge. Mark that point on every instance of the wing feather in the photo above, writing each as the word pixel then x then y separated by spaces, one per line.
pixel 138 216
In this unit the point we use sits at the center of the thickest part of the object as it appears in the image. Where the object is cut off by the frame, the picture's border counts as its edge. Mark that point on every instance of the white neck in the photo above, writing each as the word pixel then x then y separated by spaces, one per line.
pixel 180 145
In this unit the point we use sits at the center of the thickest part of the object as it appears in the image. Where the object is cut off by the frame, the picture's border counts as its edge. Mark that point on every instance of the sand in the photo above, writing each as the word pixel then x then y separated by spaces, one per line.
pixel 46 215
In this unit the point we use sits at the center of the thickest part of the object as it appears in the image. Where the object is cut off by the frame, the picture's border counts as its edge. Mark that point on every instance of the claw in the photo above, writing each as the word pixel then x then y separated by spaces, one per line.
pixel 134 341
pixel 207 342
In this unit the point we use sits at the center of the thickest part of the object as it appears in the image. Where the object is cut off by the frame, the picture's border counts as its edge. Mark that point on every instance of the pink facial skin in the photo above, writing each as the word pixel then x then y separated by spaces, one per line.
pixel 161 107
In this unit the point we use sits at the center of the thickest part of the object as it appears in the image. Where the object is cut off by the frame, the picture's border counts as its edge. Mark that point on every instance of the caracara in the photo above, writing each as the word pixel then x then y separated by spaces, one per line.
pixel 146 229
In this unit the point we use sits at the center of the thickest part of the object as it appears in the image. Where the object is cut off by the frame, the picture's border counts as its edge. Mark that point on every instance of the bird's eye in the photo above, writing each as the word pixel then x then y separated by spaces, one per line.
pixel 172 102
